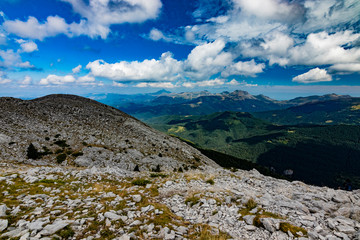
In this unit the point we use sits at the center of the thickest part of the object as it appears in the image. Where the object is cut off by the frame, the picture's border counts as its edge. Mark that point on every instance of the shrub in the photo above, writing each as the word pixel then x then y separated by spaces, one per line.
pixel 192 200
pixel 210 181
pixel 61 143
pixel 154 175
pixel 77 154
pixel 250 204
pixel 66 233
pixel 32 152
pixel 60 158
pixel 136 169
pixel 140 182
pixel 157 169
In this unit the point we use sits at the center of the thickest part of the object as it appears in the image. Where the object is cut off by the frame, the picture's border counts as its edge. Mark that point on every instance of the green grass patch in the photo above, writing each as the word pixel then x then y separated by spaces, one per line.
pixel 285 227
pixel 192 200
pixel 141 182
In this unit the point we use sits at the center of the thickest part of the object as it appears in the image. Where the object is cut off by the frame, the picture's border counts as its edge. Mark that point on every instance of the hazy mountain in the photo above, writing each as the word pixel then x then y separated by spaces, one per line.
pixel 204 102
pixel 339 111
pixel 80 131
pixel 317 154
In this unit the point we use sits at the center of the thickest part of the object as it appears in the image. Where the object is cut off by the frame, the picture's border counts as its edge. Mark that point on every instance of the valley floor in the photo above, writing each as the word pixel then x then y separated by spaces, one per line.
pixel 53 202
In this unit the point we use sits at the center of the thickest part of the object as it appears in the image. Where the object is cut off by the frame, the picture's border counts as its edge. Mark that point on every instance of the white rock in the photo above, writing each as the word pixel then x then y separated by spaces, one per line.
pixel 136 198
pixel 3 210
pixel 53 228
pixel 112 216
pixel 3 224
pixel 124 237
pixel 268 224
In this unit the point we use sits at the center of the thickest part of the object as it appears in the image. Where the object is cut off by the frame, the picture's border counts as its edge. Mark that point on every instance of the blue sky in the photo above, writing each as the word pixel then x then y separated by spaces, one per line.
pixel 279 48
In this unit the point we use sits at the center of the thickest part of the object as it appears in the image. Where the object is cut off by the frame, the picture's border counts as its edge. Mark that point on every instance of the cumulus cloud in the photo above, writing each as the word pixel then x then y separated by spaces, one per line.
pixel 346 67
pixel 156 35
pixel 26 81
pixel 165 69
pixel 249 68
pixel 27 46
pixel 96 18
pixel 242 83
pixel 86 79
pixel 323 48
pixel 313 76
pixel 57 80
pixel 77 69
pixel 318 49
pixel 155 85
pixel 208 59
pixel 207 83
pixel 117 84
pixel 33 29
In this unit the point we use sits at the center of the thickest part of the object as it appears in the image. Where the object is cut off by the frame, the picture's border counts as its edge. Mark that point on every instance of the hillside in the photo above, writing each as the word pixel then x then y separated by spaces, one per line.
pixel 339 111
pixel 321 155
pixel 72 130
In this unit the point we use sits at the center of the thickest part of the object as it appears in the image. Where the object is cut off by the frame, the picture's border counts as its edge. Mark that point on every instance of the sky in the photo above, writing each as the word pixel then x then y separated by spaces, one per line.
pixel 280 48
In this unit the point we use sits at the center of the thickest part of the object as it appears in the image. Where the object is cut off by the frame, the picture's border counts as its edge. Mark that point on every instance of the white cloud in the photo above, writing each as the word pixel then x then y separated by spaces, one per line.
pixel 26 82
pixel 34 30
pixel 165 69
pixel 207 59
pixel 57 80
pixel 318 49
pixel 249 68
pixel 207 83
pixel 233 82
pixel 313 76
pixel 329 14
pixel 97 17
pixel 156 35
pixel 116 84
pixel 27 46
pixel 13 59
pixel 346 67
pixel 77 69
pixel 86 79
pixel 155 85
pixel 271 9
pixel 323 49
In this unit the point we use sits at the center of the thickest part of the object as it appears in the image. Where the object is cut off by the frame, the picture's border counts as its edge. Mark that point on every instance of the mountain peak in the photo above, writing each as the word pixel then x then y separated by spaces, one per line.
pixel 102 134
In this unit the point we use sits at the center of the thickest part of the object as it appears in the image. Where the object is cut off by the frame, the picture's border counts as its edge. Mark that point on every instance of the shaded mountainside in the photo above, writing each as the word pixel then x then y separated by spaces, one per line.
pixel 339 111
pixel 321 155
pixel 74 130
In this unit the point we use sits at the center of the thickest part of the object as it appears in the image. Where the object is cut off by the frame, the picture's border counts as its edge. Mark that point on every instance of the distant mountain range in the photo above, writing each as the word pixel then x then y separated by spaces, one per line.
pixel 146 106
pixel 316 154
pixel 339 111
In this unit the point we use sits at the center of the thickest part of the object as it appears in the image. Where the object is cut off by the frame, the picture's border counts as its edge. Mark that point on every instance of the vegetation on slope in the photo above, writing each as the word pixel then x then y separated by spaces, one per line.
pixel 321 155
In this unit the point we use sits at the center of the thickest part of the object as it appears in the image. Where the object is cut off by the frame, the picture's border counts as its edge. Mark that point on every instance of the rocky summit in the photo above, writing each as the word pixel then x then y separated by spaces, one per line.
pixel 73 130
pixel 71 168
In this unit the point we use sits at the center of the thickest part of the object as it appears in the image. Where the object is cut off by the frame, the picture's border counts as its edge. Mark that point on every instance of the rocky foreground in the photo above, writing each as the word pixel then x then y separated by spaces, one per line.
pixel 59 202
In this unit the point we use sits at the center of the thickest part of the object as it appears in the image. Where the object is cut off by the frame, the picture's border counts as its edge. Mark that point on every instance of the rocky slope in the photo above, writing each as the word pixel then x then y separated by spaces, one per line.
pixel 112 203
pixel 77 131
